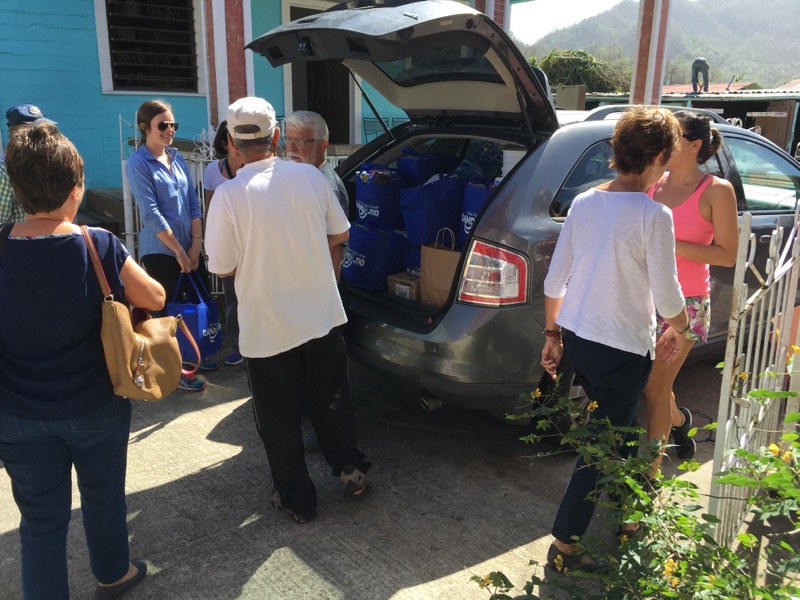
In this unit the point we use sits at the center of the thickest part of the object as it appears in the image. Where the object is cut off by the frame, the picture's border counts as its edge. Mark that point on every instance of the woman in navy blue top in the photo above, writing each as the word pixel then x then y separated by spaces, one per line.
pixel 171 236
pixel 57 405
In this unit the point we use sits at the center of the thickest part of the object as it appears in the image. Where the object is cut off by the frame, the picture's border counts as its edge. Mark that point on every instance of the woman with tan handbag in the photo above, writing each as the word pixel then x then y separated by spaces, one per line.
pixel 57 405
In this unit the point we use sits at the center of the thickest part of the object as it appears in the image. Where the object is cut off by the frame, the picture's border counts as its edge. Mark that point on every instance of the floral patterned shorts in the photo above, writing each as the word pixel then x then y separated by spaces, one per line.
pixel 699 310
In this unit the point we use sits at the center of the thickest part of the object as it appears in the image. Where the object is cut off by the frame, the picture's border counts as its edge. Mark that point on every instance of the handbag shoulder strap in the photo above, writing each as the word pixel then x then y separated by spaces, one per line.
pixel 4 233
pixel 101 277
pixel 98 268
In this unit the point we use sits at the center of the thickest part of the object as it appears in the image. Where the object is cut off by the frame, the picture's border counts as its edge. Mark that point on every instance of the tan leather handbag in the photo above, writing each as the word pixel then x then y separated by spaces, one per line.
pixel 142 356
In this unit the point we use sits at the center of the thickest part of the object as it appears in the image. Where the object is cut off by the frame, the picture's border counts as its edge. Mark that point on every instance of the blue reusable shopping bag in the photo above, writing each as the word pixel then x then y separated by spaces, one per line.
pixel 411 260
pixel 372 255
pixel 192 300
pixel 476 194
pixel 484 162
pixel 378 196
pixel 429 208
pixel 417 167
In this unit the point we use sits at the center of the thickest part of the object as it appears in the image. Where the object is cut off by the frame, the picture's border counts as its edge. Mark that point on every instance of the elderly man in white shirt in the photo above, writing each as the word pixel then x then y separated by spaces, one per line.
pixel 278 229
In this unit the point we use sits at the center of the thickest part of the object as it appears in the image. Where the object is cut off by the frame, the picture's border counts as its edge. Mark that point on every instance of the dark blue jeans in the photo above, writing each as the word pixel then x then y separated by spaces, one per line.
pixel 615 379
pixel 39 456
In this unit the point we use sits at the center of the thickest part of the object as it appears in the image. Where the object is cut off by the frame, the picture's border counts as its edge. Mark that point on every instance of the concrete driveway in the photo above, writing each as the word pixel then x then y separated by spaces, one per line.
pixel 454 494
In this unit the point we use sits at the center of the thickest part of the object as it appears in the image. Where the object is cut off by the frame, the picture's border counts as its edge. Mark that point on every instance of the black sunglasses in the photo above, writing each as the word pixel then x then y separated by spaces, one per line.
pixel 685 136
pixel 164 124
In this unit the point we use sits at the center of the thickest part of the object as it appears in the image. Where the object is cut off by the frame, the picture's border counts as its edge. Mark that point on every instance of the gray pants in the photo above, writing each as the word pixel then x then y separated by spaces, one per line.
pixel 703 69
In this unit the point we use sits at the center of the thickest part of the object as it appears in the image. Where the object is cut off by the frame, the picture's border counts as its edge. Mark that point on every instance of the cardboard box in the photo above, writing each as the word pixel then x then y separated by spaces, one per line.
pixel 404 285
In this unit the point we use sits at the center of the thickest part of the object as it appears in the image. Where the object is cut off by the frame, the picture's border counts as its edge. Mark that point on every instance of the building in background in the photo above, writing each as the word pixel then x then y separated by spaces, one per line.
pixel 88 62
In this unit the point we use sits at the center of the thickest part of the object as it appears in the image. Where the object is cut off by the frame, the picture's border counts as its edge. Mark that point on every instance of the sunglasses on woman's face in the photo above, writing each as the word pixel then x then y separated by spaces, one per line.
pixel 164 124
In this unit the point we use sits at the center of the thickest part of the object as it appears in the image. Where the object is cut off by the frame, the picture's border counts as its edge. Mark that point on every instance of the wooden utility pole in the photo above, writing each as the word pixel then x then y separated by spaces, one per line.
pixel 648 68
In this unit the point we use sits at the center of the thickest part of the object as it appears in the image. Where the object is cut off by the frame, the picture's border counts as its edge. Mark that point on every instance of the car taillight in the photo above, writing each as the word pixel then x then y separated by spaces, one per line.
pixel 493 276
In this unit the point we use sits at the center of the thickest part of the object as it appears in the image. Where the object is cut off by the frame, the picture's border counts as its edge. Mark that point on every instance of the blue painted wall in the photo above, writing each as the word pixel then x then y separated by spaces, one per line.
pixel 267 81
pixel 49 56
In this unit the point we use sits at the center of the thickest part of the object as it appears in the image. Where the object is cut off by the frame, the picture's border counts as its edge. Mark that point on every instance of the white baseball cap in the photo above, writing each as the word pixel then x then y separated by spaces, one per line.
pixel 252 112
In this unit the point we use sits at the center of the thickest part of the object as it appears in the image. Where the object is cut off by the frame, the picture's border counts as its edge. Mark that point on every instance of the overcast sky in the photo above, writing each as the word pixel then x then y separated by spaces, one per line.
pixel 533 20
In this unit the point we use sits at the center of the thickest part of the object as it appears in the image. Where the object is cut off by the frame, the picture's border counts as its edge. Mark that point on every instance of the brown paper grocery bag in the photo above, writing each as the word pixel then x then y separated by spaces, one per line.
pixel 438 264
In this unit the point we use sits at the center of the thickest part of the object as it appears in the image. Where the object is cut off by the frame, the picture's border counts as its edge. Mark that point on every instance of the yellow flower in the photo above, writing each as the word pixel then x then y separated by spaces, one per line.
pixel 774 449
pixel 559 562
pixel 592 406
pixel 485 583
pixel 744 376
pixel 674 582
pixel 669 567
pixel 787 457
pixel 537 393
pixel 796 349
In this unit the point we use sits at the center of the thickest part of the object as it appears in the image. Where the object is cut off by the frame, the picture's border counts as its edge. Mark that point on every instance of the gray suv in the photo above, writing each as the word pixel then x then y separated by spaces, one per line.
pixel 463 83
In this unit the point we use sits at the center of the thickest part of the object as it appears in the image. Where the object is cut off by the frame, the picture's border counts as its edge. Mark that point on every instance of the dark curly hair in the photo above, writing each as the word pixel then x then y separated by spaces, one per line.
pixel 641 135
pixel 697 126
pixel 43 167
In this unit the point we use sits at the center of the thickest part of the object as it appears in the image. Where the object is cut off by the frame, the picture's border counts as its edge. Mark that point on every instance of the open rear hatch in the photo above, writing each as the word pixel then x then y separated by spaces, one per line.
pixel 432 58
pixel 463 84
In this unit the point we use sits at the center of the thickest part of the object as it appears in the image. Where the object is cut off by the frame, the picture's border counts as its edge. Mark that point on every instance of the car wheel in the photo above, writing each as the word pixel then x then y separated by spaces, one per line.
pixel 564 420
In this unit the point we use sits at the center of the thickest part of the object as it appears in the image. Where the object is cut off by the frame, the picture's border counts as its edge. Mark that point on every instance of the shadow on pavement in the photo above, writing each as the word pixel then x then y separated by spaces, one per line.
pixel 451 490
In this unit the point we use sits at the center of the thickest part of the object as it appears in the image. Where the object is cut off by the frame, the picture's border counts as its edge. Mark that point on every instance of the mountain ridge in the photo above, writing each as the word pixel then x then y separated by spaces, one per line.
pixel 743 40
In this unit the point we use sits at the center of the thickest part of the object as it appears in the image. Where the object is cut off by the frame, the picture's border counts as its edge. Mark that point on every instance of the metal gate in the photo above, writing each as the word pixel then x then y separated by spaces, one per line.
pixel 759 344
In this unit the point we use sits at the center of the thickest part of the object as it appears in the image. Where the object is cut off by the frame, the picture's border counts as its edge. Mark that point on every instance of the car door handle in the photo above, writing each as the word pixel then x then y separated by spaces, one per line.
pixel 765 239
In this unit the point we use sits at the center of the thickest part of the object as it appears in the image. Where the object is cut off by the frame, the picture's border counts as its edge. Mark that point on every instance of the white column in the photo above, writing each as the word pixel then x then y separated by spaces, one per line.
pixel 220 58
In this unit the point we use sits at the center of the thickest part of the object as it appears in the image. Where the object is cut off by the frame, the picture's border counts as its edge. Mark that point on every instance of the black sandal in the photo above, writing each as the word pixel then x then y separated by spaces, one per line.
pixel 564 562
pixel 629 535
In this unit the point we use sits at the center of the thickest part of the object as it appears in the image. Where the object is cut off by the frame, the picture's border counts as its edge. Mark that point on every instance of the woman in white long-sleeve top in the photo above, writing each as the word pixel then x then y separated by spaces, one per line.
pixel 613 266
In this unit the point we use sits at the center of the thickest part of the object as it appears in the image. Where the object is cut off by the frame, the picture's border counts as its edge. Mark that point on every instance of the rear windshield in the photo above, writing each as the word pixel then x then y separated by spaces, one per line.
pixel 450 63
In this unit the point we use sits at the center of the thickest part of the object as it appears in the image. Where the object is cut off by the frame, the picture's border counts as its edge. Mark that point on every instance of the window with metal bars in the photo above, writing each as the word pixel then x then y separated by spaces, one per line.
pixel 152 45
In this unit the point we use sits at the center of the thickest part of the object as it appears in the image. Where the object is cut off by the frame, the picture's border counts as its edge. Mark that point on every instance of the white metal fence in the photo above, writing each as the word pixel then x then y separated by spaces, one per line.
pixel 759 341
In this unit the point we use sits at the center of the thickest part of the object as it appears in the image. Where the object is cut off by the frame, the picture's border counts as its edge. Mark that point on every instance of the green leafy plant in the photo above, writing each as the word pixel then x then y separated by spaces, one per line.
pixel 673 554
pixel 576 67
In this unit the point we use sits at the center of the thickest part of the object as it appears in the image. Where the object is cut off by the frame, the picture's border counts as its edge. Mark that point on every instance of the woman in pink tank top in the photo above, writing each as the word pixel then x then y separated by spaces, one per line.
pixel 706 233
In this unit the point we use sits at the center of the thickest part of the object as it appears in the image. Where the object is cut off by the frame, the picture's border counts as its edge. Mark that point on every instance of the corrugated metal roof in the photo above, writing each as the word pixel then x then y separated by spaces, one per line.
pixel 792 85
pixel 759 94
pixel 686 88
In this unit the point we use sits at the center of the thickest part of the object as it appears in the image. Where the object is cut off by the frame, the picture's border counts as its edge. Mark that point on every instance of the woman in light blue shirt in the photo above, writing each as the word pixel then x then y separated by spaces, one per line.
pixel 171 236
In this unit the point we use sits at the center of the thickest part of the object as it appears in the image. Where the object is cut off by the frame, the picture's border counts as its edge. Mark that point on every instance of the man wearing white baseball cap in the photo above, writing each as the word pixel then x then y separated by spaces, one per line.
pixel 16 117
pixel 278 228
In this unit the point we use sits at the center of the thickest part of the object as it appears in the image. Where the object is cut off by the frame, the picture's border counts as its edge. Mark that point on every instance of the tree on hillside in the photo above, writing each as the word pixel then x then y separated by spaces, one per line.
pixel 576 67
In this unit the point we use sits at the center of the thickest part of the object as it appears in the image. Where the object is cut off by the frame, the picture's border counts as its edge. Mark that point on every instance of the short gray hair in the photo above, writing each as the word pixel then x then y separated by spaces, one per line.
pixel 263 144
pixel 308 120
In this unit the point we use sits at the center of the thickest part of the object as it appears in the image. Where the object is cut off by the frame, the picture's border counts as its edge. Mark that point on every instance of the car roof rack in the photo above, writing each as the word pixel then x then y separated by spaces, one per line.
pixel 601 112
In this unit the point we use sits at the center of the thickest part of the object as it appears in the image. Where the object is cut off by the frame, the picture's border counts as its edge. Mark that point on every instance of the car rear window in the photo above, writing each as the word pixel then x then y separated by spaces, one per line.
pixel 450 63
pixel 591 170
